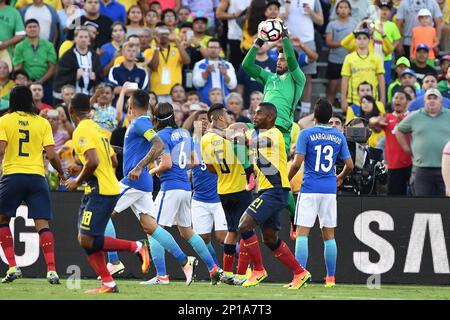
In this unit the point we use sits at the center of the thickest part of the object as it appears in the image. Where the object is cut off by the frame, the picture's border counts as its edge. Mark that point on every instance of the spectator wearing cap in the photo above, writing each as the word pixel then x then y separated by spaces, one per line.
pixel 444 63
pixel 408 78
pixel 37 57
pixel 424 35
pixel 167 64
pixel 80 66
pixel 113 10
pixel 401 65
pixel 399 162
pixel 128 70
pixel 428 82
pixel 391 32
pixel 205 7
pixel 444 85
pixel 47 17
pixel 200 38
pixel 103 23
pixel 12 31
pixel 430 132
pixel 407 14
pixel 420 65
pixel 213 72
pixel 361 65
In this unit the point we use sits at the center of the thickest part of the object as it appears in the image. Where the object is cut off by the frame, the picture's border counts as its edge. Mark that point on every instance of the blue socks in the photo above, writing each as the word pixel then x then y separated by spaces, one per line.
pixel 158 256
pixel 212 252
pixel 111 232
pixel 200 247
pixel 330 255
pixel 301 250
pixel 166 240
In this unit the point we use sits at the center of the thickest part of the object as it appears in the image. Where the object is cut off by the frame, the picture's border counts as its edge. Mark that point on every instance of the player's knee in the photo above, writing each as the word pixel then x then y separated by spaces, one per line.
pixel 85 241
pixel 220 238
pixel 206 238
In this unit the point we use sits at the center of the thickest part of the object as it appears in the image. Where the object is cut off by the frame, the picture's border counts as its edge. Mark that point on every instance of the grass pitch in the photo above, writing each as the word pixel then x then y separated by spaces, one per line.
pixel 40 289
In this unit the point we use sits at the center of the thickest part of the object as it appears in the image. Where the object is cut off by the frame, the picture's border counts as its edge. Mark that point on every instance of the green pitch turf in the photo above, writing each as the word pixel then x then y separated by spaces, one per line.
pixel 131 289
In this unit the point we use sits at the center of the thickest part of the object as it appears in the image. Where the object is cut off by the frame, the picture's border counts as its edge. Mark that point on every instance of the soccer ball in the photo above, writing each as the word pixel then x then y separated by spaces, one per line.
pixel 270 30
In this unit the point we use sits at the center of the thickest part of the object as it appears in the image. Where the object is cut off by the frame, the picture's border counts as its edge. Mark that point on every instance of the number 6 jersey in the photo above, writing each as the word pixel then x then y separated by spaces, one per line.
pixel 219 152
pixel 321 145
pixel 26 135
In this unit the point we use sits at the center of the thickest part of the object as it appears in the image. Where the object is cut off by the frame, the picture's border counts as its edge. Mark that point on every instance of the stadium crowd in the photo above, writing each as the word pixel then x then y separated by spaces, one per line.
pixel 388 64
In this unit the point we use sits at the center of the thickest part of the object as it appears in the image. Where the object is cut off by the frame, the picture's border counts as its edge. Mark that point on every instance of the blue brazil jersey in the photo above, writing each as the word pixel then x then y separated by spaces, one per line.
pixel 204 182
pixel 179 144
pixel 322 146
pixel 137 143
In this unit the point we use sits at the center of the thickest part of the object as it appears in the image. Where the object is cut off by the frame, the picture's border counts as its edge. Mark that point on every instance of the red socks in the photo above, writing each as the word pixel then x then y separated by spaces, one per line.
pixel 228 262
pixel 98 263
pixel 113 244
pixel 7 244
pixel 243 260
pixel 285 256
pixel 252 247
pixel 47 242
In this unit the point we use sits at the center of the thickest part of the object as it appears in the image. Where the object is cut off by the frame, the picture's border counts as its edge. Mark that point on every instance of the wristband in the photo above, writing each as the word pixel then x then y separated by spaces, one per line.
pixel 259 42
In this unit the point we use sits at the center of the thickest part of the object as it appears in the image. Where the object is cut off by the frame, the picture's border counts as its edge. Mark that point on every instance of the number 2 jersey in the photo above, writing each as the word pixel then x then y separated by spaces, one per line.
pixel 322 146
pixel 26 136
pixel 89 135
pixel 179 144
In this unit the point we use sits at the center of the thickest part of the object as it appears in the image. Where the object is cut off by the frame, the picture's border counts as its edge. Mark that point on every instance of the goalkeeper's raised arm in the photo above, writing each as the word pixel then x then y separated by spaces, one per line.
pixel 291 58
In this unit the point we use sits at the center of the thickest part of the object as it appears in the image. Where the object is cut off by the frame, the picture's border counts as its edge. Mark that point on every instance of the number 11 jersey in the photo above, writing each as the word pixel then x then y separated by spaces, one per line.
pixel 219 152
pixel 321 145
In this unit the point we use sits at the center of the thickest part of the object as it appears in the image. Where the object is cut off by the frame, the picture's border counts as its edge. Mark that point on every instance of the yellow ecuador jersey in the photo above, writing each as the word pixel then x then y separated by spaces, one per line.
pixel 169 71
pixel 26 136
pixel 269 159
pixel 89 135
pixel 219 152
pixel 360 68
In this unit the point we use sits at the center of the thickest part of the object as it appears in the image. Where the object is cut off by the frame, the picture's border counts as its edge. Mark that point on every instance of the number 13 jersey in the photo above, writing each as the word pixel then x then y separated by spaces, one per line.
pixel 26 135
pixel 219 152
pixel 321 145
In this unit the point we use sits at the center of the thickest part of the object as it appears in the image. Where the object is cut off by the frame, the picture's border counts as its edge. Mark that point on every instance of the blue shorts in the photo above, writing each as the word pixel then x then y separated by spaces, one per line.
pixel 234 205
pixel 32 189
pixel 267 207
pixel 94 214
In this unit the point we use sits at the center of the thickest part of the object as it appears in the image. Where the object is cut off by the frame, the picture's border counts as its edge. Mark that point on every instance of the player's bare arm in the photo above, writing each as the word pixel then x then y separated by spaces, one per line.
pixel 298 160
pixel 152 155
pixel 88 170
pixel 52 156
pixel 2 154
pixel 164 165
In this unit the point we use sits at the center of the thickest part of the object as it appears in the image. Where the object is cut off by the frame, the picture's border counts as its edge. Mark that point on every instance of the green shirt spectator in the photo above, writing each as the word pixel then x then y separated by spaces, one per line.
pixel 35 55
pixel 11 27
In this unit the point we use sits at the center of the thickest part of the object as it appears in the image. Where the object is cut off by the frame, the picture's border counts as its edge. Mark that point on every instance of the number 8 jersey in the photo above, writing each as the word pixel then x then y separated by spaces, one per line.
pixel 179 144
pixel 321 145
pixel 219 152
pixel 26 135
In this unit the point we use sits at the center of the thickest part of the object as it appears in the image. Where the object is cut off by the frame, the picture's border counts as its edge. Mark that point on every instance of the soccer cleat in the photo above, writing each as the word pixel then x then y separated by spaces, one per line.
pixel 330 282
pixel 53 277
pixel 227 278
pixel 239 280
pixel 144 255
pixel 299 280
pixel 114 269
pixel 12 274
pixel 251 183
pixel 216 274
pixel 293 232
pixel 163 280
pixel 189 269
pixel 256 278
pixel 103 289
pixel 248 273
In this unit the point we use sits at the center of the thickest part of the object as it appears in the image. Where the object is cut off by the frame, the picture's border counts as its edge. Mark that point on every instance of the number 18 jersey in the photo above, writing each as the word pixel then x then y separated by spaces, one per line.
pixel 321 146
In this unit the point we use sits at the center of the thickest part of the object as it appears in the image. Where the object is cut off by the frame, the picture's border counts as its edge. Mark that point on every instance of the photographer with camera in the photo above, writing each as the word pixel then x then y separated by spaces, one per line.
pixel 399 163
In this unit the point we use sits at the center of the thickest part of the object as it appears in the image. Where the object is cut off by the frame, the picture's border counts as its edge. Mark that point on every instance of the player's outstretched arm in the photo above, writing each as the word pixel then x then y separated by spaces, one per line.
pixel 164 165
pixel 152 155
pixel 249 64
pixel 292 62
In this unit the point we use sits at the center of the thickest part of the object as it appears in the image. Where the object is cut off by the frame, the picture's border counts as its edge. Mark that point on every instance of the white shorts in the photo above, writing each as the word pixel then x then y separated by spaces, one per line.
pixel 311 205
pixel 139 201
pixel 173 207
pixel 205 215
